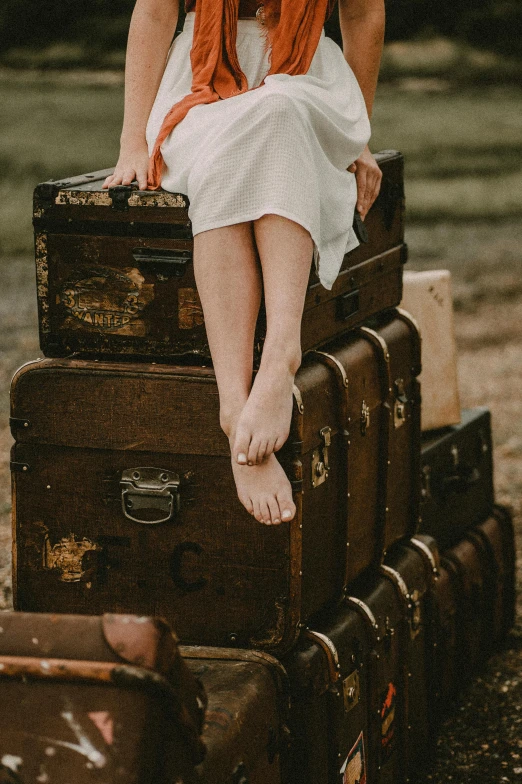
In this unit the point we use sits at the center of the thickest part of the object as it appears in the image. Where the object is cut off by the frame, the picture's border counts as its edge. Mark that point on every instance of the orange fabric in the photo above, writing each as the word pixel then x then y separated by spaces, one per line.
pixel 293 28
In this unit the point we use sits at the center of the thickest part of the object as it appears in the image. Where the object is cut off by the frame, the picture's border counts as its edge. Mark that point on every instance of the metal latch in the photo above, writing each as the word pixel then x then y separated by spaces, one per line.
pixel 365 417
pixel 120 195
pixel 351 691
pixel 154 492
pixel 401 399
pixel 320 458
pixel 415 611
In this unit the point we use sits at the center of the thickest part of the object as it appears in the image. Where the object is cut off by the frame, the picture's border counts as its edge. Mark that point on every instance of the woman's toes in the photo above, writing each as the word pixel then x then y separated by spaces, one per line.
pixel 265 512
pixel 275 512
pixel 241 448
pixel 253 452
pixel 287 508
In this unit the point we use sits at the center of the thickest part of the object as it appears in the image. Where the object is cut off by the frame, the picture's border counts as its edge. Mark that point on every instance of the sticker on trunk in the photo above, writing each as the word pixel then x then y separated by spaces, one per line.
pixel 354 769
pixel 388 711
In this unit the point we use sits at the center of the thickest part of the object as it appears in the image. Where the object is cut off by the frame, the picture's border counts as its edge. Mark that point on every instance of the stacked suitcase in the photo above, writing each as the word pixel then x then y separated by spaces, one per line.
pixel 328 648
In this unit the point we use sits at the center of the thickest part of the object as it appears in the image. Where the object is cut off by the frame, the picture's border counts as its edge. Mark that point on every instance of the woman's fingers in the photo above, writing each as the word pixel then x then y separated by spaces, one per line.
pixel 368 187
pixel 361 177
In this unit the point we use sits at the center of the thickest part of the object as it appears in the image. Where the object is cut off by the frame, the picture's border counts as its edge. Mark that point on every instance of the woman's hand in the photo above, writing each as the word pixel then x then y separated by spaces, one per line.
pixel 133 164
pixel 368 176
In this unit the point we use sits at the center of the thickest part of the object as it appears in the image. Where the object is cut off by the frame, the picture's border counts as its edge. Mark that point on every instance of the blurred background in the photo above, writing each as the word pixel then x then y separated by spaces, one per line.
pixel 450 98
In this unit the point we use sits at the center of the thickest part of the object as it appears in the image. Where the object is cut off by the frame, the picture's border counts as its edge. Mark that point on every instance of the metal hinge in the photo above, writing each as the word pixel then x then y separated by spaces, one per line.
pixel 320 458
pixel 16 424
pixel 19 467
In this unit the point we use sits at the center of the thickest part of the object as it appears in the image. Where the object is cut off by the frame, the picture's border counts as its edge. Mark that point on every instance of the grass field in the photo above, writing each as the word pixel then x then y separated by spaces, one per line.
pixel 464 190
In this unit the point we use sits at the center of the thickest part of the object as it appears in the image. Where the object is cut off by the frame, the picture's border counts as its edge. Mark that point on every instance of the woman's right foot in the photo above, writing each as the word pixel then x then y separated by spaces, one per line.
pixel 265 491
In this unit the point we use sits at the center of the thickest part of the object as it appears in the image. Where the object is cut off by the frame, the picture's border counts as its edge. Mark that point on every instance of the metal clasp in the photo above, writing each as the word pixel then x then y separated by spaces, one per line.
pixel 351 691
pixel 365 417
pixel 320 458
pixel 401 399
pixel 153 490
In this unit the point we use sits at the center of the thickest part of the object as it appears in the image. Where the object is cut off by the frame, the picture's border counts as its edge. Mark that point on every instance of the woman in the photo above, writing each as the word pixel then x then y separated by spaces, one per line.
pixel 273 175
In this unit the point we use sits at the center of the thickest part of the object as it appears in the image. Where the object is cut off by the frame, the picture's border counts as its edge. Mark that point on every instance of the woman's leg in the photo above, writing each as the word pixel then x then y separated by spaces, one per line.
pixel 228 278
pixel 286 251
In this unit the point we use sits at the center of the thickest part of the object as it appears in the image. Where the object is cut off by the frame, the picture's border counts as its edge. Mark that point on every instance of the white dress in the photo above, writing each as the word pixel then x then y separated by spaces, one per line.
pixel 281 149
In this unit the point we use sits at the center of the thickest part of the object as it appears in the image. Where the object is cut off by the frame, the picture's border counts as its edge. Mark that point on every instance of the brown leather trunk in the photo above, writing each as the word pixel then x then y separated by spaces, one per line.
pixel 124 498
pixel 413 566
pixel 115 276
pixel 457 474
pixel 475 602
pixel 469 566
pixel 90 699
pixel 245 732
pixel 445 633
pixel 497 537
pixel 360 677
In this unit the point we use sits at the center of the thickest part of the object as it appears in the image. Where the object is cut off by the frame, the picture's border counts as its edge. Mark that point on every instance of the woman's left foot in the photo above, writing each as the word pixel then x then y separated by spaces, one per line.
pixel 264 424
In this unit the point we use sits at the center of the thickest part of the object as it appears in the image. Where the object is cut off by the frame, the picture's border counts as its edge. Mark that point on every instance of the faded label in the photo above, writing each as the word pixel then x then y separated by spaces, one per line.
pixel 190 312
pixel 66 556
pixel 354 769
pixel 106 300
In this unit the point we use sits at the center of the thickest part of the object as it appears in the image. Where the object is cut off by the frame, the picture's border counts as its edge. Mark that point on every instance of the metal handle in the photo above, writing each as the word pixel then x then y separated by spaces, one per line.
pixel 155 491
pixel 163 262
pixel 348 305
pixel 460 482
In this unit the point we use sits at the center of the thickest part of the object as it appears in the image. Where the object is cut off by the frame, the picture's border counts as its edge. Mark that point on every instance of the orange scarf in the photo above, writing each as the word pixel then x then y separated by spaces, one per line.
pixel 293 27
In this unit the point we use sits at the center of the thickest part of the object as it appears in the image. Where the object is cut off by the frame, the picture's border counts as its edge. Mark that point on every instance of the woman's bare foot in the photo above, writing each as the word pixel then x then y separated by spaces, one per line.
pixel 264 423
pixel 265 491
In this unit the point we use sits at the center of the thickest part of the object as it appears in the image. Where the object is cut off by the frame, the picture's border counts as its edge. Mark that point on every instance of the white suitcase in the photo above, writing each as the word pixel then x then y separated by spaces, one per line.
pixel 427 296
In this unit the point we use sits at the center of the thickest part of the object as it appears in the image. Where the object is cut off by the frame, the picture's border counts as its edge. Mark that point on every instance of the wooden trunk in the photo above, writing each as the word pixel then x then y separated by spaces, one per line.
pixel 245 732
pixel 413 566
pixel 457 475
pixel 124 498
pixel 96 699
pixel 115 275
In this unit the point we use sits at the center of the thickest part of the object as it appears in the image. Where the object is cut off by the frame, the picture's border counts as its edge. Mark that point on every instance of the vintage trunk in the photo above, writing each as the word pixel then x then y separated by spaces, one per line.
pixel 90 699
pixel 457 474
pixel 115 277
pixel 427 296
pixel 445 632
pixel 413 566
pixel 245 732
pixel 496 536
pixel 124 500
pixel 469 566
pixel 475 602
pixel 348 681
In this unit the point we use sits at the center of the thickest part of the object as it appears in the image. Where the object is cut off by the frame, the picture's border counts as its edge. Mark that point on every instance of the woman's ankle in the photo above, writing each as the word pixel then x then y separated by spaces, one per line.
pixel 281 355
pixel 228 419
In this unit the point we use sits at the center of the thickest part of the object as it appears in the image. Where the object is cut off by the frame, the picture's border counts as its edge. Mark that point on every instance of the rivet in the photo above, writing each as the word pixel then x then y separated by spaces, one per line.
pixel 24 468
pixel 300 574
pixel 387 509
pixel 347 544
pixel 26 424
pixel 48 487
